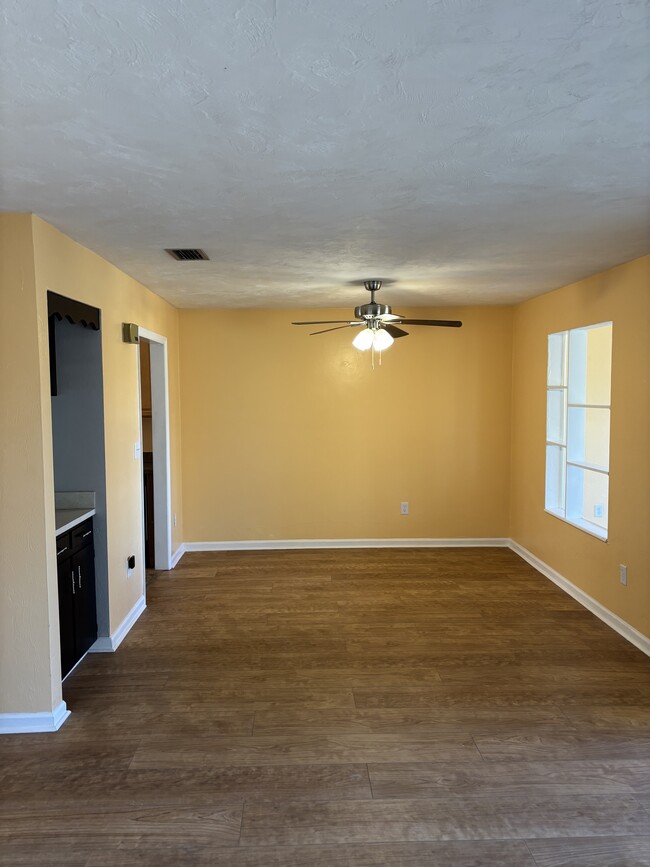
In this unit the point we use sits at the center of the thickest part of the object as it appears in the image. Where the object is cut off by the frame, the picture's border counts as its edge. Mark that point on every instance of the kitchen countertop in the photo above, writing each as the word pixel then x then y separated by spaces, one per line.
pixel 66 519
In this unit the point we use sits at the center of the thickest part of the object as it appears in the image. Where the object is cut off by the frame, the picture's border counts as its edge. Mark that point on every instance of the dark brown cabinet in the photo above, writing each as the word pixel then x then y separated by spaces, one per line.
pixel 66 604
pixel 77 602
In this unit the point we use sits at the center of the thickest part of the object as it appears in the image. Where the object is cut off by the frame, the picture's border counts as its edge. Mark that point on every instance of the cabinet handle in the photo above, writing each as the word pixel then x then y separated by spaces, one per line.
pixel 73 590
pixel 86 534
pixel 79 575
pixel 62 550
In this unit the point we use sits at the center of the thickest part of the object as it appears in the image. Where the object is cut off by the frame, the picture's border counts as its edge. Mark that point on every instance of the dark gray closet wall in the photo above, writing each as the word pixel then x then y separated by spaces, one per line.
pixel 78 436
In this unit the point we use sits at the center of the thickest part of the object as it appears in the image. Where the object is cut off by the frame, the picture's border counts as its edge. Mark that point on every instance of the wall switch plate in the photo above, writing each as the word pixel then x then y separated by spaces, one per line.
pixel 622 574
pixel 403 508
pixel 174 518
pixel 136 451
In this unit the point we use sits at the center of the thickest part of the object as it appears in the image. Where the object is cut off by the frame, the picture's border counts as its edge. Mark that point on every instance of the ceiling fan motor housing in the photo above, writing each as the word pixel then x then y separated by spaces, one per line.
pixel 371 311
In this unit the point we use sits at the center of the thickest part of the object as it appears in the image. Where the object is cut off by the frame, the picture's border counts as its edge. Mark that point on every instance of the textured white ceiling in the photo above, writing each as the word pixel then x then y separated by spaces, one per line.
pixel 475 151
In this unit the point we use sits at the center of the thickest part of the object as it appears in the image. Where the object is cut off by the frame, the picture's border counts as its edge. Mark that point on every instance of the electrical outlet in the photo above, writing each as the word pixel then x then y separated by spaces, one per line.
pixel 599 510
pixel 403 508
pixel 622 574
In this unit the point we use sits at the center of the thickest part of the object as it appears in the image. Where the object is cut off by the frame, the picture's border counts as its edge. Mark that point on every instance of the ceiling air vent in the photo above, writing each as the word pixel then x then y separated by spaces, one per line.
pixel 188 255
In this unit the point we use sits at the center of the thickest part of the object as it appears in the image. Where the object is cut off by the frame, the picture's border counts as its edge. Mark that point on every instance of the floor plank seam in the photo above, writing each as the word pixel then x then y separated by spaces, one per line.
pixel 241 822
pixel 478 750
pixel 372 792
pixel 532 857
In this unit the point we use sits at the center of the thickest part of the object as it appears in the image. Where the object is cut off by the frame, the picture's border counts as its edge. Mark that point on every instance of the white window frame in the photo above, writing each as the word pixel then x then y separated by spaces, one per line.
pixel 580 522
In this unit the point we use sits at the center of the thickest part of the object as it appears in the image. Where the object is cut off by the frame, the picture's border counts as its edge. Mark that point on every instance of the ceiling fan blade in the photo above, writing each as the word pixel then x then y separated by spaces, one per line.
pixel 336 328
pixel 326 322
pixel 395 332
pixel 446 323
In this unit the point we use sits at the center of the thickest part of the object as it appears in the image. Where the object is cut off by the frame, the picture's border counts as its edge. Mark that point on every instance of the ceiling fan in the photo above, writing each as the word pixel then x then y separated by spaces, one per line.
pixel 381 324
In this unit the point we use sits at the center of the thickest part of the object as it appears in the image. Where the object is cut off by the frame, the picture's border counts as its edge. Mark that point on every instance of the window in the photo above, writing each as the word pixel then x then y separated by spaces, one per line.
pixel 578 398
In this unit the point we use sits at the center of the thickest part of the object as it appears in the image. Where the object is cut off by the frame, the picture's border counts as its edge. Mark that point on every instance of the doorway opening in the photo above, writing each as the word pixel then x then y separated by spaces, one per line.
pixel 154 439
pixel 78 452
pixel 147 456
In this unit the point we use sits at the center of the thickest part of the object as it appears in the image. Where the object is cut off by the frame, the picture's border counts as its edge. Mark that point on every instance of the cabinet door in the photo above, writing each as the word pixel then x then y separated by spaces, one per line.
pixel 85 609
pixel 66 616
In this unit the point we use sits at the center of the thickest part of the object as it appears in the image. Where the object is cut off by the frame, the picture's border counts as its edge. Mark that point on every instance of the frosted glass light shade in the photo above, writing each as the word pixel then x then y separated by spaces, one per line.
pixel 363 340
pixel 382 340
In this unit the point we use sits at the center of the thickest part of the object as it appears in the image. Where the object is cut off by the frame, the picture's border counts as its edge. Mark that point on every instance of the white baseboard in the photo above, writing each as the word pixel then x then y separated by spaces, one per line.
pixel 177 555
pixel 612 620
pixel 290 544
pixel 108 644
pixel 26 723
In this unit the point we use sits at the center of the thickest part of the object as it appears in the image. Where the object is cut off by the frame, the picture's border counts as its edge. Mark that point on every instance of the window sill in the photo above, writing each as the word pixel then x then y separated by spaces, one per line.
pixel 585 526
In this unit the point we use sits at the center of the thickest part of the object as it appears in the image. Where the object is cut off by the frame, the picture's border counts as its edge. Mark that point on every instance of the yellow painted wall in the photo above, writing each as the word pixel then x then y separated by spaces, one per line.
pixel 59 264
pixel 29 653
pixel 145 395
pixel 287 436
pixel 66 267
pixel 621 295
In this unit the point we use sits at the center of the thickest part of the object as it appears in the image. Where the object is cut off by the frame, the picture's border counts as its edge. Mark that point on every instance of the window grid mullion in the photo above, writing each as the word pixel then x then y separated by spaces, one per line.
pixel 592 468
pixel 567 361
pixel 575 431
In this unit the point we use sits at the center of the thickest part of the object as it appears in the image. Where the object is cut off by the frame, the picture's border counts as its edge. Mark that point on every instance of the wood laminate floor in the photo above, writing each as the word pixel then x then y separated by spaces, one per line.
pixel 392 707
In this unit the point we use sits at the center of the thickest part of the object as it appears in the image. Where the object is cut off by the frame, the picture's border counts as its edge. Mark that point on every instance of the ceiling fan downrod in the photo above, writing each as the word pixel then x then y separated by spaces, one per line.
pixel 373 310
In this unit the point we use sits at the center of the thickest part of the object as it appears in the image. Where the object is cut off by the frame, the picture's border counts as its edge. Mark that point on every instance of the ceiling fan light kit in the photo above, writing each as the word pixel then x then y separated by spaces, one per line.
pixel 380 323
pixel 363 340
pixel 381 340
pixel 375 338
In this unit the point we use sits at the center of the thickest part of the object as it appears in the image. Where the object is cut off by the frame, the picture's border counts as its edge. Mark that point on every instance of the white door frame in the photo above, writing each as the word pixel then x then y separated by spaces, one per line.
pixel 162 496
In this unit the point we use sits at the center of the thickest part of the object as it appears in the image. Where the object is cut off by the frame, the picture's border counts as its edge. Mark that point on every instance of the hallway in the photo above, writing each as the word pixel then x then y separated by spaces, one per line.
pixel 344 707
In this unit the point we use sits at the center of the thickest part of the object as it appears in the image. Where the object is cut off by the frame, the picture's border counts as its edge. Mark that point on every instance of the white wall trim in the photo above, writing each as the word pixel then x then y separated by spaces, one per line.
pixel 26 723
pixel 176 556
pixel 287 544
pixel 612 620
pixel 111 643
pixel 160 431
